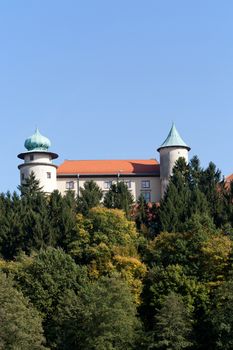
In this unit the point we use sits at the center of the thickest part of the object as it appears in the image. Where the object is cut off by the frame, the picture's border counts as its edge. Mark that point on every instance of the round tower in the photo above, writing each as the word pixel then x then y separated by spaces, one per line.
pixel 172 149
pixel 38 160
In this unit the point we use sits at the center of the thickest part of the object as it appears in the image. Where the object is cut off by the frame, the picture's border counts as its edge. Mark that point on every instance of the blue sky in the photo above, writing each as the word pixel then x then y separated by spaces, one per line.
pixel 105 79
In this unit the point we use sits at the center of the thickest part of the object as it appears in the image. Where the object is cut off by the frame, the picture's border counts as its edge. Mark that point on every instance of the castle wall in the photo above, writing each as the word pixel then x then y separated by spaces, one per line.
pixel 134 183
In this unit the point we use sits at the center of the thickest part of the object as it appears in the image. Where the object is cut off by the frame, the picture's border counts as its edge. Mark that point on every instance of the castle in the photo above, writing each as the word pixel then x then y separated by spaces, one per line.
pixel 146 177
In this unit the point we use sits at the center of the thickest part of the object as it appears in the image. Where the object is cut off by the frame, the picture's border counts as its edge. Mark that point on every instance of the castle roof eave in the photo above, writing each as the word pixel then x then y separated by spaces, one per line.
pixel 174 146
pixel 52 154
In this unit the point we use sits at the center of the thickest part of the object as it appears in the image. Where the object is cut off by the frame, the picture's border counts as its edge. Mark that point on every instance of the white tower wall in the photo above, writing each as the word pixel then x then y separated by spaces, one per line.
pixel 168 158
pixel 45 173
pixel 40 163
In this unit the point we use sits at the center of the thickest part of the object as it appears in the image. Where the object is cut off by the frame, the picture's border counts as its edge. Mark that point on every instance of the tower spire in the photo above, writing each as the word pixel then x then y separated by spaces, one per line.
pixel 173 139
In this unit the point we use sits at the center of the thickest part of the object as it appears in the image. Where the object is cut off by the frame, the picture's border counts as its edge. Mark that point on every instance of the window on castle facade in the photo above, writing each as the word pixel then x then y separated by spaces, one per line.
pixel 145 183
pixel 48 175
pixel 70 185
pixel 128 183
pixel 146 195
pixel 107 185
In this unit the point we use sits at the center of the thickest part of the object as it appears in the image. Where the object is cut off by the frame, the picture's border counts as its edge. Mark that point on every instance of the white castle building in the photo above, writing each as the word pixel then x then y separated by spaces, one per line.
pixel 146 177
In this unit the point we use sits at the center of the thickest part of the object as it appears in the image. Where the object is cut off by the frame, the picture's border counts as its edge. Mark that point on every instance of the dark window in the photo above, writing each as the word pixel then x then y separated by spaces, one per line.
pixel 107 184
pixel 48 175
pixel 31 157
pixel 70 185
pixel 22 176
pixel 146 195
pixel 145 183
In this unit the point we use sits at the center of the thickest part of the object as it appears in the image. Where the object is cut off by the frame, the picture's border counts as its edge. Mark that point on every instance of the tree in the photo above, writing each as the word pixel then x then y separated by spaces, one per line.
pixel 106 242
pixel 20 323
pixel 62 217
pixel 193 190
pixel 119 197
pixel 173 325
pixel 182 200
pixel 141 213
pixel 45 280
pixel 101 316
pixel 91 195
pixel 31 186
pixel 221 316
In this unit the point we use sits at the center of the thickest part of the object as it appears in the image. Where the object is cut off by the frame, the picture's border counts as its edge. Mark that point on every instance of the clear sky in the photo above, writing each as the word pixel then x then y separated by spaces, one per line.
pixel 105 78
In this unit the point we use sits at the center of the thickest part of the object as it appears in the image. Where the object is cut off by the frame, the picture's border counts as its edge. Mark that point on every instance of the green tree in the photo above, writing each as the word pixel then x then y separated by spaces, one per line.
pixel 221 316
pixel 142 214
pixel 182 200
pixel 30 186
pixel 91 195
pixel 45 280
pixel 62 217
pixel 101 316
pixel 20 323
pixel 119 197
pixel 173 325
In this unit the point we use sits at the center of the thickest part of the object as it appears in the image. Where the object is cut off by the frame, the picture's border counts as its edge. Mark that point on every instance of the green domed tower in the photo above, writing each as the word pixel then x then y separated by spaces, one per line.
pixel 38 159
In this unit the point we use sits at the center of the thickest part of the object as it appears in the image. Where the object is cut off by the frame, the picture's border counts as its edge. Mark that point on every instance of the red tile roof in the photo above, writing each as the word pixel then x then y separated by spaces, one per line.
pixel 228 180
pixel 109 167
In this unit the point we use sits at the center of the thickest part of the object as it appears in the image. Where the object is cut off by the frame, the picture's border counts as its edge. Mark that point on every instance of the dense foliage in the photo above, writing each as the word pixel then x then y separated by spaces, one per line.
pixel 107 274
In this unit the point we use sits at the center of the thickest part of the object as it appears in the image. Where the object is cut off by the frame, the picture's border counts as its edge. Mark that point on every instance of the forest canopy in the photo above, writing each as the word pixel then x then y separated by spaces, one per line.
pixel 87 273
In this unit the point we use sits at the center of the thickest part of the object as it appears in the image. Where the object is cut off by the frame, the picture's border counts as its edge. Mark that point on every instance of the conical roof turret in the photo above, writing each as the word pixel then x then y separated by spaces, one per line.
pixel 173 140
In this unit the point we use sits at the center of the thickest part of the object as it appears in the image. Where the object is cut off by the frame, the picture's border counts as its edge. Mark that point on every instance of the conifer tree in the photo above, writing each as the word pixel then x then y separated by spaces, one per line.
pixel 142 213
pixel 30 186
pixel 119 197
pixel 91 195
pixel 173 325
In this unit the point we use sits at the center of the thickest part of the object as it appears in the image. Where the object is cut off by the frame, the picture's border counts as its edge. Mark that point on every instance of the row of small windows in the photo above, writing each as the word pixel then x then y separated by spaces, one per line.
pixel 108 184
pixel 144 184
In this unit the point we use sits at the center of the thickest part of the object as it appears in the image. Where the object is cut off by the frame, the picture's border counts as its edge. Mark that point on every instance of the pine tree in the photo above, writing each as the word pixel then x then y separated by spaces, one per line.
pixel 173 325
pixel 91 195
pixel 119 197
pixel 30 186
pixel 141 213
